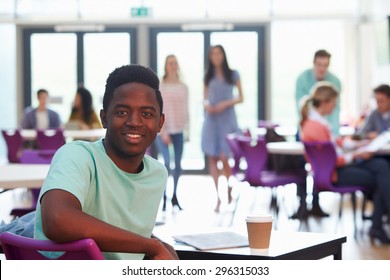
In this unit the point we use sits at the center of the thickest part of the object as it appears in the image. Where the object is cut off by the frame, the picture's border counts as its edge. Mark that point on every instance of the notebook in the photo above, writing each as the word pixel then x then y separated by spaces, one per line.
pixel 381 140
pixel 212 241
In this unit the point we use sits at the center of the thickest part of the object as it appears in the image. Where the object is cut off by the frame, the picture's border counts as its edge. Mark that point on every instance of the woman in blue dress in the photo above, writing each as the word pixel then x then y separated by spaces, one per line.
pixel 220 117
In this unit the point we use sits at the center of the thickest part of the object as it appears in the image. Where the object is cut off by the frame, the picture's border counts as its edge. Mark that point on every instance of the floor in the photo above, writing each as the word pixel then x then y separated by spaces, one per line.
pixel 197 197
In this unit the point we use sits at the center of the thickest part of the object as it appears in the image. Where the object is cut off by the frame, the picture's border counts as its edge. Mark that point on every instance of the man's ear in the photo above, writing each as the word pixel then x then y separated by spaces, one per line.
pixel 161 123
pixel 103 118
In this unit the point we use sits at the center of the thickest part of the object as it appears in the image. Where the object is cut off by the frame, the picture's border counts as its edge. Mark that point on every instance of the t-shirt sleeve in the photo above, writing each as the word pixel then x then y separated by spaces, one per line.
pixel 368 125
pixel 72 170
pixel 301 90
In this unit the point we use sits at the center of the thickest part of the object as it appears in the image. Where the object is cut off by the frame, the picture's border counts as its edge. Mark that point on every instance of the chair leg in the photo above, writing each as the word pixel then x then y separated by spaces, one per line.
pixel 274 201
pixel 235 206
pixel 353 199
pixel 341 206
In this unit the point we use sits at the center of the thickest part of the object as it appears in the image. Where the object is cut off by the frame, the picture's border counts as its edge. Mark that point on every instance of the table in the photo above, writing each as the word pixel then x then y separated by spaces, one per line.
pixel 284 245
pixel 14 176
pixel 291 131
pixel 297 148
pixel 88 134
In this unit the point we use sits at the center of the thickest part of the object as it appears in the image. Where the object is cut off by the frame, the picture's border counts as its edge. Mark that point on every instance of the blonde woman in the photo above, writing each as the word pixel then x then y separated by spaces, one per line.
pixel 176 128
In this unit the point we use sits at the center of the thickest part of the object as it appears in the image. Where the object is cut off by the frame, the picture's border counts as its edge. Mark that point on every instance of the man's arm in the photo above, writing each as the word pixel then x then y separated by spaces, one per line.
pixel 63 220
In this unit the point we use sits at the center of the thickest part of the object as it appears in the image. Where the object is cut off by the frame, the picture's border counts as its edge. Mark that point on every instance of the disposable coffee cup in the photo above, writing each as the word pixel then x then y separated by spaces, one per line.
pixel 259 231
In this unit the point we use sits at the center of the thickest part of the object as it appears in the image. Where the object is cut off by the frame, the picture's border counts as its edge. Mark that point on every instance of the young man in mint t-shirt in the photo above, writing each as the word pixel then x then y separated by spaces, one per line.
pixel 109 190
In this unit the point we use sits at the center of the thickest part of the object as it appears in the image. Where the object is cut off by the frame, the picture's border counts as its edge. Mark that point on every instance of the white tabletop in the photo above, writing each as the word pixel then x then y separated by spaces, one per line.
pixel 286 148
pixel 296 148
pixel 23 175
pixel 88 134
pixel 282 242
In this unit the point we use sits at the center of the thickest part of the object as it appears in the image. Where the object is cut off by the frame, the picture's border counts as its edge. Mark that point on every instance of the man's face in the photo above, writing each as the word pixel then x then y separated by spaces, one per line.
pixel 321 65
pixel 43 99
pixel 382 102
pixel 132 120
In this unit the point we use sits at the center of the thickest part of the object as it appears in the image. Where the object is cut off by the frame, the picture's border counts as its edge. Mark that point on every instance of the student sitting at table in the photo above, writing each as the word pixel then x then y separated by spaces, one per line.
pixel 109 190
pixel 353 168
pixel 41 117
pixel 379 119
pixel 83 116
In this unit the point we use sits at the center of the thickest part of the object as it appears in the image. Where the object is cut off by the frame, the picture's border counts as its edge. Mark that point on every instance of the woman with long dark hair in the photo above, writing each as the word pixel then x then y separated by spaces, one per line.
pixel 220 117
pixel 83 113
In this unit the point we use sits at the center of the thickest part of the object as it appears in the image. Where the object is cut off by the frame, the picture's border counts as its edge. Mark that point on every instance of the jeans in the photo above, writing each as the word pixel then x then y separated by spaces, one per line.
pixel 177 140
pixel 374 174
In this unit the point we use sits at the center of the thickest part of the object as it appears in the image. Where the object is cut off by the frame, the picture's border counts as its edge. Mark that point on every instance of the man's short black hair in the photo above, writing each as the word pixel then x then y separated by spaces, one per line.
pixel 42 90
pixel 321 53
pixel 131 73
pixel 383 89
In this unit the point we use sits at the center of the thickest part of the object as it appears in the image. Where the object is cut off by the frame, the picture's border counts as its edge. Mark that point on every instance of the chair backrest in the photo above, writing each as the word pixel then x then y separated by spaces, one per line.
pixel 18 247
pixel 256 155
pixel 232 141
pixel 14 141
pixel 37 157
pixel 50 139
pixel 322 157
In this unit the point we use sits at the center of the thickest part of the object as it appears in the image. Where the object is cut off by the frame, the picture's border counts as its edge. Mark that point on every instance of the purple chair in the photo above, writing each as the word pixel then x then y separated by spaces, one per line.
pixel 35 157
pixel 235 148
pixel 322 157
pixel 50 139
pixel 18 247
pixel 14 141
pixel 256 155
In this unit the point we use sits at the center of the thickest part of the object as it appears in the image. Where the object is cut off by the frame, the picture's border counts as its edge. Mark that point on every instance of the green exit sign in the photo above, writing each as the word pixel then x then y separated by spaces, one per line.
pixel 140 12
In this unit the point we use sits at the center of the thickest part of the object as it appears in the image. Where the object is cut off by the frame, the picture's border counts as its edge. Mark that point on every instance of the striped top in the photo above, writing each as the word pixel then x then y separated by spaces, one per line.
pixel 175 98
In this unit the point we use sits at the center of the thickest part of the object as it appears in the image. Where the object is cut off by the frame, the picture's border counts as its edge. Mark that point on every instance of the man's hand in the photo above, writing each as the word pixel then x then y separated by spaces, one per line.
pixel 164 252
pixel 362 155
pixel 371 135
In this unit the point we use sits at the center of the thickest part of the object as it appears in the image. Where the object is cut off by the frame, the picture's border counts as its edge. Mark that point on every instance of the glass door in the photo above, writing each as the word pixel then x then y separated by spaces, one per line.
pixel 103 52
pixel 245 52
pixel 62 61
pixel 54 68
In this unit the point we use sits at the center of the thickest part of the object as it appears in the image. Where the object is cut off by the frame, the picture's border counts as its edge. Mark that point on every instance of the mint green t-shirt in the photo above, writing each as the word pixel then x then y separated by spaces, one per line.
pixel 128 201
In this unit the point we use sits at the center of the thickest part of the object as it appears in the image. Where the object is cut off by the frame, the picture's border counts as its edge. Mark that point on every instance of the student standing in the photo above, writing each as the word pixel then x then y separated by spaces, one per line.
pixel 306 80
pixel 220 117
pixel 176 127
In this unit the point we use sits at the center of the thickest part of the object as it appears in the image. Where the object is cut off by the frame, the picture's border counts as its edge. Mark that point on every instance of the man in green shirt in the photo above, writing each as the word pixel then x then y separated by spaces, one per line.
pixel 109 190
pixel 307 79
pixel 305 82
